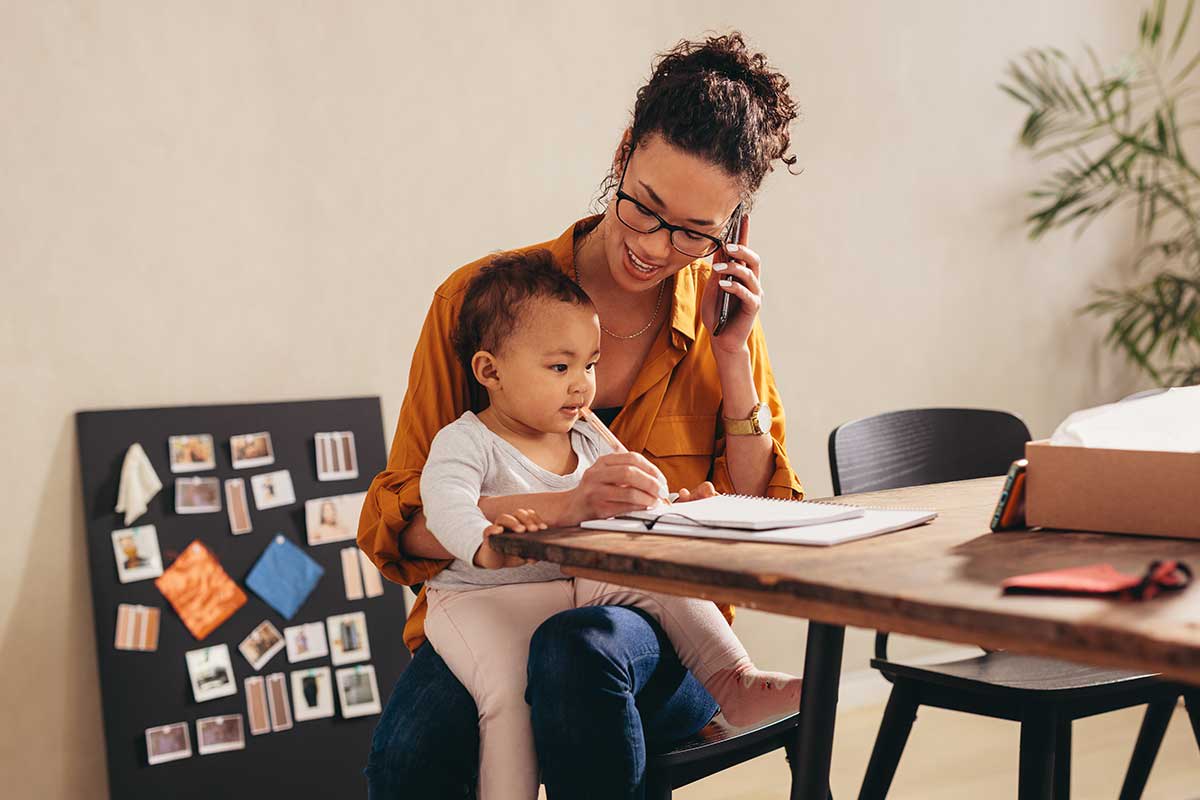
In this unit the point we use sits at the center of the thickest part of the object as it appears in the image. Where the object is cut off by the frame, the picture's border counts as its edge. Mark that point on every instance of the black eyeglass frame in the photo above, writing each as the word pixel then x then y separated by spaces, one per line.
pixel 717 244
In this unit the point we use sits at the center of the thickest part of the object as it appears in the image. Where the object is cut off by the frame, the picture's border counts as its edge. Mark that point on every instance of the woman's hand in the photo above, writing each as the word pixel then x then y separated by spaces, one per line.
pixel 519 521
pixel 702 491
pixel 742 271
pixel 739 275
pixel 615 484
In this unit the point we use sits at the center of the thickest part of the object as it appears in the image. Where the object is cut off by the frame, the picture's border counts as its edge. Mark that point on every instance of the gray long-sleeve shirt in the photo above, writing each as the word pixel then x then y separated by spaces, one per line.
pixel 467 461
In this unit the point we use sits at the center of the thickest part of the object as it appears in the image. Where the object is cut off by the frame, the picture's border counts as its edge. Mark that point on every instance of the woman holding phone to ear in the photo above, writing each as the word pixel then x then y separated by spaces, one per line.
pixel 702 410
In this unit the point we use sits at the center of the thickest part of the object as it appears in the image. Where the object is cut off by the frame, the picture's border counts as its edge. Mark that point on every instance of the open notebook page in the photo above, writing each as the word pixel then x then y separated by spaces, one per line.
pixel 747 513
pixel 873 522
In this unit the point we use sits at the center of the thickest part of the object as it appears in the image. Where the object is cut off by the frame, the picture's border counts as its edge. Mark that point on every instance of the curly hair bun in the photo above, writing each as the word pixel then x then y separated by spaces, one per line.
pixel 719 100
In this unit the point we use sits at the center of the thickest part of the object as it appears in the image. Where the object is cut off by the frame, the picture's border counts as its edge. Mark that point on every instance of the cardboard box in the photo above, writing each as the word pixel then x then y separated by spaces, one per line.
pixel 1113 491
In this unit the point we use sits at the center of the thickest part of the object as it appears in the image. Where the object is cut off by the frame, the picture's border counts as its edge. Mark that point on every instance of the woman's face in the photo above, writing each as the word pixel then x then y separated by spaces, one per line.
pixel 681 188
pixel 328 514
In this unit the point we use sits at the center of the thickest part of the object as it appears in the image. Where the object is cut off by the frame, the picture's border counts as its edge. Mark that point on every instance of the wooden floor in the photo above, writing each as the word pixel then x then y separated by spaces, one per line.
pixel 952 756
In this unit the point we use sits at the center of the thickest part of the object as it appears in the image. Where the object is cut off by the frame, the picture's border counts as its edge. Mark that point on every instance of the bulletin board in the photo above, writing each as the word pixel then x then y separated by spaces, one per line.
pixel 140 690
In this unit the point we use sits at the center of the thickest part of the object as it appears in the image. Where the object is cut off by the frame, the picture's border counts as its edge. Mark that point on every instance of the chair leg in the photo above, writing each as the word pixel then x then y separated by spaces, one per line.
pixel 1062 760
pixel 1038 734
pixel 658 787
pixel 1145 750
pixel 1191 700
pixel 889 743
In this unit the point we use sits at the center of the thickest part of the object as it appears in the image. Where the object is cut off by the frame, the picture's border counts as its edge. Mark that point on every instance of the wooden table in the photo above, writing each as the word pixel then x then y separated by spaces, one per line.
pixel 939 581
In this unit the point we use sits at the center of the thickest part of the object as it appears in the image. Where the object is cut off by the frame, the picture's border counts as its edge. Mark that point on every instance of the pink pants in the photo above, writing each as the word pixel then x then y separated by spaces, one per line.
pixel 483 636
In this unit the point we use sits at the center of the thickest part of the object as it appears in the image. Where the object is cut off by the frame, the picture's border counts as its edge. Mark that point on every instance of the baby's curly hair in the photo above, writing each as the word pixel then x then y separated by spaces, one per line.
pixel 718 100
pixel 497 295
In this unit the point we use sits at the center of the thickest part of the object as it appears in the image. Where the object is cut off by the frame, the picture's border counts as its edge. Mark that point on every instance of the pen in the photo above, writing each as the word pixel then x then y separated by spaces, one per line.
pixel 613 442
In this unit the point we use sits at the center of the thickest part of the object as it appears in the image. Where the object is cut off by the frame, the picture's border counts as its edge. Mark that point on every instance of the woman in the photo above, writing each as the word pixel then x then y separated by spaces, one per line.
pixel 603 682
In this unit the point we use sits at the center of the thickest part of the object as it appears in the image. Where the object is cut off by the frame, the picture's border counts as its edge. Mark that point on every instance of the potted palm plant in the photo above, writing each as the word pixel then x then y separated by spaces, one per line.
pixel 1117 135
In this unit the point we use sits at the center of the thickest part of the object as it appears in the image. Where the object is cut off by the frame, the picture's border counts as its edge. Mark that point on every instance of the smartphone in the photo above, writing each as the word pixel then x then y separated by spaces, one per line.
pixel 1010 511
pixel 729 304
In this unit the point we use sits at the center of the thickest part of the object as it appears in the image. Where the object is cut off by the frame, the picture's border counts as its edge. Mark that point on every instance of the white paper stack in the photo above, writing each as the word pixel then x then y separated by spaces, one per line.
pixel 1165 422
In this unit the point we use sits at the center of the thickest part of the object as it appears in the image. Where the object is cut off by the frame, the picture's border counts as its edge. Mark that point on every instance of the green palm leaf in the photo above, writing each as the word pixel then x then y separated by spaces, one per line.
pixel 1115 134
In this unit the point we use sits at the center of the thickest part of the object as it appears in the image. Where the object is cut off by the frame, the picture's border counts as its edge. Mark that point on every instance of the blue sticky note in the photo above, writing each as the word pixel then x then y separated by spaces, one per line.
pixel 284 576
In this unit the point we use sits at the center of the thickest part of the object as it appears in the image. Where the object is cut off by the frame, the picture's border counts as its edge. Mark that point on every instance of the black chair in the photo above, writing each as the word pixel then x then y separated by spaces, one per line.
pixel 936 445
pixel 717 746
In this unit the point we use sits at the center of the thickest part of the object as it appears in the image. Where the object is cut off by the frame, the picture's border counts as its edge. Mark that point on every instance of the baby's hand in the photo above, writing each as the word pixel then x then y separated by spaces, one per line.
pixel 487 558
pixel 521 520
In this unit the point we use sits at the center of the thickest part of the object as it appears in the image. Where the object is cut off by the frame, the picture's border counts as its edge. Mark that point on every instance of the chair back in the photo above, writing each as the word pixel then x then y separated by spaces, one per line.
pixel 923 445
pixel 919 446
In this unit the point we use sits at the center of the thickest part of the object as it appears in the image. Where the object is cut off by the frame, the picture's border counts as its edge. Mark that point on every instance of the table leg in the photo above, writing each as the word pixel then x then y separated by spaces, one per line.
pixel 818 710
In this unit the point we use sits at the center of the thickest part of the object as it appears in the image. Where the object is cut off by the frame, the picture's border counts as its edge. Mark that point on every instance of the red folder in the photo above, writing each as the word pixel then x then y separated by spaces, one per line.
pixel 1103 579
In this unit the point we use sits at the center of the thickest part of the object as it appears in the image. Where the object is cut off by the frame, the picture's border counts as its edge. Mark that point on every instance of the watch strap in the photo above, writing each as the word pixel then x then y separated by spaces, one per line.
pixel 748 426
pixel 740 427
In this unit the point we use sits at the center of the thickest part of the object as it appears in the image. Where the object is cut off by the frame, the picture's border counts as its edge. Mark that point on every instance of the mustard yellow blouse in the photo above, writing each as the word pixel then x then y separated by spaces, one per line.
pixel 672 414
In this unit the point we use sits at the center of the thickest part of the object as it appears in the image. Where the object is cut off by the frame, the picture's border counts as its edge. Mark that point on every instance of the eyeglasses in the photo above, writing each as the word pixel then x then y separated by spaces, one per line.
pixel 637 217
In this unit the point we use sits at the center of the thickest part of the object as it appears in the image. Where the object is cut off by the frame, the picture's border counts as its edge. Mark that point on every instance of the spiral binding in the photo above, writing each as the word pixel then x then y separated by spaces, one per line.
pixel 835 504
pixel 867 508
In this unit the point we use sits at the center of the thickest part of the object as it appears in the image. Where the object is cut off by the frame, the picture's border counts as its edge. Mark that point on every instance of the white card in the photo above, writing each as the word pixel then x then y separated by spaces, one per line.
pixel 351 575
pixel 312 693
pixel 372 578
pixel 357 691
pixel 257 709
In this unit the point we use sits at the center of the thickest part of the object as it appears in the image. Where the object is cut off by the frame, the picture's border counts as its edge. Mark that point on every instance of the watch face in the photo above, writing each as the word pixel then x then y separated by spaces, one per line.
pixel 764 418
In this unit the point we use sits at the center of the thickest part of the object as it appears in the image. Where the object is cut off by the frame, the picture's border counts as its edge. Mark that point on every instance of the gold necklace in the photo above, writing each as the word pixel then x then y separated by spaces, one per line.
pixel 657 307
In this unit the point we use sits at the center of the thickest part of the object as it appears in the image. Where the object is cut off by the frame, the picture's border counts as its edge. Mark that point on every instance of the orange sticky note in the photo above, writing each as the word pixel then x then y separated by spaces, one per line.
pixel 200 590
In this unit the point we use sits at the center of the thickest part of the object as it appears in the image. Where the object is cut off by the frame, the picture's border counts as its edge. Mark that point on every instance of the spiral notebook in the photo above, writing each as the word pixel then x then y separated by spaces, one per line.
pixel 872 522
pixel 746 513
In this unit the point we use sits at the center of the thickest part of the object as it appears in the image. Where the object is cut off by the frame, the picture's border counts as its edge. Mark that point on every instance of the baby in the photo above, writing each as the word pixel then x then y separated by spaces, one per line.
pixel 530 336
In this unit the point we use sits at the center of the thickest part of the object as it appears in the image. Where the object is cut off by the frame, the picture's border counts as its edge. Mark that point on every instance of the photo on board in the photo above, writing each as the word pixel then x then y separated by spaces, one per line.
pixel 197 495
pixel 220 734
pixel 261 644
pixel 312 693
pixel 333 519
pixel 272 489
pixel 168 743
pixel 306 641
pixel 257 714
pixel 210 670
pixel 192 452
pixel 137 627
pixel 136 551
pixel 337 457
pixel 357 691
pixel 239 509
pixel 251 450
pixel 348 638
pixel 277 701
pixel 371 576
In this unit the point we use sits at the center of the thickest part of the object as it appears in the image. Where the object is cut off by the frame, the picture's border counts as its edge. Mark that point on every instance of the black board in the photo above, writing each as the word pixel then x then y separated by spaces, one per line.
pixel 316 758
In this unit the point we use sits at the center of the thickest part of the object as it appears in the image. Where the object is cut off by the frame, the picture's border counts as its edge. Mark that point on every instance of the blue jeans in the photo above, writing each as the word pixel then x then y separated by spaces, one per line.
pixel 605 688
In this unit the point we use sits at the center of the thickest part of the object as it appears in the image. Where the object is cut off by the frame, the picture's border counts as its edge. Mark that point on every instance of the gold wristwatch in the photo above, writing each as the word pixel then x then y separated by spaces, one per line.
pixel 757 424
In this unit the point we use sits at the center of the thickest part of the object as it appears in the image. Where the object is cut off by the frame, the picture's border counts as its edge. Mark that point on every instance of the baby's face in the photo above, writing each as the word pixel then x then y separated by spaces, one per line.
pixel 547 366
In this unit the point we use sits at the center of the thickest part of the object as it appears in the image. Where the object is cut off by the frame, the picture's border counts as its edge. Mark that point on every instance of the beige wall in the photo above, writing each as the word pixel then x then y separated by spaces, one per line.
pixel 188 189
